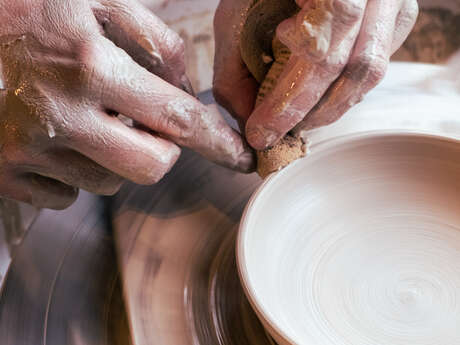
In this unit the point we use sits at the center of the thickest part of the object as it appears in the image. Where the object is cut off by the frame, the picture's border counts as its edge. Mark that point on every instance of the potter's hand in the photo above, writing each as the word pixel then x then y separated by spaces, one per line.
pixel 67 67
pixel 340 51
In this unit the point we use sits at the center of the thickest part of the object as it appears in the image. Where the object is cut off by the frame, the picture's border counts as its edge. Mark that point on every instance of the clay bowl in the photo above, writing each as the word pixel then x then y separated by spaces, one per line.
pixel 359 243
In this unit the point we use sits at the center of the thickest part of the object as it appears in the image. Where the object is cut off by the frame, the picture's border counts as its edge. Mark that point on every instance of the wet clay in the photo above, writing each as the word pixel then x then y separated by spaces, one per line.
pixel 265 56
pixel 367 251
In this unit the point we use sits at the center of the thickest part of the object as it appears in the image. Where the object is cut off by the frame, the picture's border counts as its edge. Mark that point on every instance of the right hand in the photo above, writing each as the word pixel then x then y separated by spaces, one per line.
pixel 340 51
pixel 66 67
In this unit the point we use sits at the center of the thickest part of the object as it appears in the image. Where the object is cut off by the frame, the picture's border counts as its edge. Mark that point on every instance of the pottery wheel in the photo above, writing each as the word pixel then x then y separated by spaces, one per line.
pixel 176 241
pixel 178 258
pixel 174 244
pixel 63 285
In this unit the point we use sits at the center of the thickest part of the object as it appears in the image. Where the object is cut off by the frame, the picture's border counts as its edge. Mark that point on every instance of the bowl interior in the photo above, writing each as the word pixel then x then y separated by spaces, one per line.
pixel 358 244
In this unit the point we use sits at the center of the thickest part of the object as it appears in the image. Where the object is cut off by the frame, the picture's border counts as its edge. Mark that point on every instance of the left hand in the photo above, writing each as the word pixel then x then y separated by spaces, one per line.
pixel 67 67
pixel 340 51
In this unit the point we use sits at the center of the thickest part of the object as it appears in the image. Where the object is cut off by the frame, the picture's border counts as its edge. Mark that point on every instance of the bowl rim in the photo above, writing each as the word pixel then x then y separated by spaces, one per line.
pixel 243 229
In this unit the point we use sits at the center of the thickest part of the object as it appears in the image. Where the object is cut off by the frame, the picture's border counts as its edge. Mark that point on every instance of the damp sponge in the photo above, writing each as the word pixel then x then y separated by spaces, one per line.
pixel 265 57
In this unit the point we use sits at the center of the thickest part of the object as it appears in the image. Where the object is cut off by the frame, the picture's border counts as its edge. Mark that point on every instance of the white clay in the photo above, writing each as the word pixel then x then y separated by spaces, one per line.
pixel 360 243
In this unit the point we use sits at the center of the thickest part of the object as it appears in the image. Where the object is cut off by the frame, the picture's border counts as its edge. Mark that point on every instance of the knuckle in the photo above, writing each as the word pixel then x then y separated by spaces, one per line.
pixel 350 11
pixel 335 63
pixel 86 53
pixel 409 13
pixel 173 46
pixel 376 69
pixel 181 119
pixel 95 63
pixel 183 126
pixel 87 57
pixel 370 68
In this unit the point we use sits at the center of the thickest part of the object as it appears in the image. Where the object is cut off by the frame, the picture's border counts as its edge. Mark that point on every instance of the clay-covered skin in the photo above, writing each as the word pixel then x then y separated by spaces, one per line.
pixel 67 67
pixel 340 51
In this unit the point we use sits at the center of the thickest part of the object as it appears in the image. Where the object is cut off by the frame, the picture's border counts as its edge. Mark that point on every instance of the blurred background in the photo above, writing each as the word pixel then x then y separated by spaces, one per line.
pixel 434 39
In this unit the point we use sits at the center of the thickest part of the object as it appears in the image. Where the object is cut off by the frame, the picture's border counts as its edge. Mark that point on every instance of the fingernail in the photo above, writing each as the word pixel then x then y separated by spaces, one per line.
pixel 260 137
pixel 186 85
pixel 174 156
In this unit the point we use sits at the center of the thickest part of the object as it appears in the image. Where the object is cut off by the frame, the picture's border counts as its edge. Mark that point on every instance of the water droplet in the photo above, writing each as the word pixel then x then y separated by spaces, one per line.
pixel 51 131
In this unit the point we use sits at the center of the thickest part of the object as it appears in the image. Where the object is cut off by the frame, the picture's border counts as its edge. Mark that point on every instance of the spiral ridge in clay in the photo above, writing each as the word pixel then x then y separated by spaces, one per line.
pixel 359 244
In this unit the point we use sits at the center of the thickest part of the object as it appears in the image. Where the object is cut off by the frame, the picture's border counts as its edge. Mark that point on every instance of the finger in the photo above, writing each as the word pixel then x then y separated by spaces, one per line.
pixel 366 68
pixel 128 152
pixel 74 169
pixel 39 191
pixel 404 23
pixel 130 90
pixel 234 87
pixel 148 40
pixel 300 86
pixel 320 26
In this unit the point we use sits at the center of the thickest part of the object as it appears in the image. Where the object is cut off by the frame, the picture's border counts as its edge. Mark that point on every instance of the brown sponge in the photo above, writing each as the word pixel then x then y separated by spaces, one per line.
pixel 265 56
pixel 287 150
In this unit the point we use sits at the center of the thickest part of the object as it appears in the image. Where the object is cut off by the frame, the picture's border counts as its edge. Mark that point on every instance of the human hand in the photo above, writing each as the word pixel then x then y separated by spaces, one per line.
pixel 340 51
pixel 67 67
